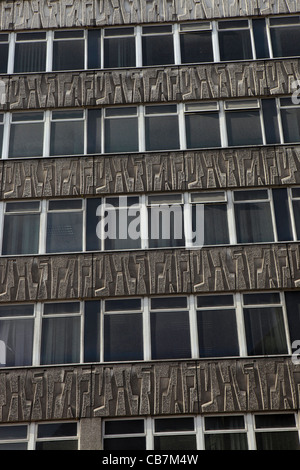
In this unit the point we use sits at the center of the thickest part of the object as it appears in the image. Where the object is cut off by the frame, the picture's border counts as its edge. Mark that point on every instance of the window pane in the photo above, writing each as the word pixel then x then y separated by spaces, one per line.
pixel 121 230
pixel 170 335
pixel 67 138
pixel 124 426
pixel 60 340
pixel 158 50
pixel 68 55
pixel 215 224
pixel 292 300
pixel 226 441
pixel 243 128
pixel 168 302
pixel 270 121
pixel 57 308
pixel 291 124
pixel 14 446
pixel 254 222
pixel 174 424
pixel 196 47
pixel 285 41
pixel 235 45
pixel 275 421
pixel 202 130
pixel 3 57
pixel 282 213
pixel 279 440
pixel 26 140
pixel 265 331
pixel 166 226
pixel 261 298
pixel 125 443
pixel 215 300
pixel 13 432
pixel 260 38
pixel 94 48
pixel 21 234
pixel 217 333
pixel 16 340
pixel 123 337
pixel 175 442
pixel 213 423
pixel 16 310
pixel 94 131
pixel 30 57
pixel 92 331
pixel 162 133
pixel 119 52
pixel 296 209
pixel 57 445
pixel 121 135
pixel 64 232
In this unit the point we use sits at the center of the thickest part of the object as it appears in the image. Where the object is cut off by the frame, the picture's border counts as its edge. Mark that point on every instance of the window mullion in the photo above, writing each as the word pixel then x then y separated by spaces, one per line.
pixel 231 218
pixel 181 124
pixel 32 431
pixel 176 44
pixel 193 326
pixel 240 325
pixel 200 432
pixel 268 32
pixel 6 133
pixel 223 127
pixel 11 53
pixel 292 215
pixel 252 39
pixel 37 338
pixel 49 51
pixel 149 424
pixel 144 222
pixel 146 329
pixel 215 41
pixel 138 42
pixel 2 208
pixel 249 418
pixel 43 227
pixel 273 218
pixel 47 131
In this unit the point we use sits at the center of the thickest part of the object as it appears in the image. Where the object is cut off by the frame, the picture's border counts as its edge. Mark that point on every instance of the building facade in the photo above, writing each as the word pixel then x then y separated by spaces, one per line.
pixel 112 108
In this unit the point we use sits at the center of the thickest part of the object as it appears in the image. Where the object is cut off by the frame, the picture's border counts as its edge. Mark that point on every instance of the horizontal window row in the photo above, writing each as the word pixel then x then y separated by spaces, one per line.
pixel 155 328
pixel 151 45
pixel 273 431
pixel 43 436
pixel 209 124
pixel 190 220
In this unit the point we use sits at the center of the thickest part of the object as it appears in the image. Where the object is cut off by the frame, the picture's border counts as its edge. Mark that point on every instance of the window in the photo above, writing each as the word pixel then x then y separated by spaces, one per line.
pixel 26 134
pixel 234 40
pixel 215 219
pixel 68 50
pixel 276 432
pixel 123 330
pixel 217 327
pixel 57 436
pixel 295 196
pixel 64 226
pixel 21 230
pixel 67 132
pixel 196 43
pixel 16 335
pixel 202 125
pixel 170 330
pixel 14 437
pixel 290 119
pixel 125 434
pixel 119 47
pixel 225 433
pixel 121 130
pixel 175 434
pixel 253 216
pixel 243 122
pixel 157 45
pixel 161 127
pixel 60 342
pixel 3 52
pixel 166 221
pixel 30 52
pixel 285 36
pixel 264 324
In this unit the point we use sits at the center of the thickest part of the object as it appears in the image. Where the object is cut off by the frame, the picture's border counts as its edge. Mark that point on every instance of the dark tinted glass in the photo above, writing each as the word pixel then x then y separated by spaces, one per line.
pixel 30 57
pixel 275 421
pixel 202 130
pixel 124 426
pixel 13 432
pixel 26 140
pixel 57 445
pixel 64 232
pixel 290 118
pixel 214 300
pixel 224 422
pixel 226 441
pixel 282 215
pixel 121 135
pixel 3 57
pixel 260 38
pixel 170 335
pixel 261 298
pixel 16 310
pixel 125 305
pixel 94 131
pixel 270 121
pixel 125 443
pixel 21 234
pixel 158 50
pixel 292 300
pixel 94 48
pixel 123 337
pixel 254 222
pixel 243 128
pixel 235 45
pixel 168 302
pixel 277 440
pixel 92 331
pixel 67 138
pixel 57 430
pixel 68 55
pixel 119 52
pixel 162 133
pixel 196 47
pixel 220 324
pixel 174 424
pixel 215 224
pixel 175 442
pixel 285 41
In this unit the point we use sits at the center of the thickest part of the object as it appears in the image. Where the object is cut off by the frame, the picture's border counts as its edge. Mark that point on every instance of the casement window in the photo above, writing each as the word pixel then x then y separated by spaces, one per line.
pixel 225 433
pixel 4 44
pixel 30 52
pixel 290 120
pixel 161 127
pixel 157 45
pixel 119 47
pixel 125 434
pixel 276 432
pixel 43 436
pixel 196 43
pixel 121 129
pixel 68 50
pixel 234 40
pixel 285 36
pixel 26 136
pixel 67 132
pixel 202 125
pixel 243 123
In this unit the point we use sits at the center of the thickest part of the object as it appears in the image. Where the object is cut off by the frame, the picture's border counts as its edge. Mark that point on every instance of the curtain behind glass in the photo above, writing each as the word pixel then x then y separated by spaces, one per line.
pixel 119 52
pixel 60 340
pixel 30 57
pixel 254 222
pixel 226 441
pixel 277 440
pixel 17 336
pixel 21 234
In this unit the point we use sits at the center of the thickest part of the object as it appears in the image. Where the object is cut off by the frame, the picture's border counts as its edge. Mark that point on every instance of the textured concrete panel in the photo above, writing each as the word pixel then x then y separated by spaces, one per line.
pixel 25 14
pixel 142 389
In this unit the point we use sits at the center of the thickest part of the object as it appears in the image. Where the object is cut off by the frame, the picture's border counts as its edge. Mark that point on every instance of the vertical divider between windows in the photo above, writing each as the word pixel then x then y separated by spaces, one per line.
pixel 277 101
pixel 146 329
pixel 249 419
pixel 6 133
pixel 32 436
pixel 37 339
pixel 215 41
pixel 141 128
pixel 187 219
pixel 2 208
pixel 262 123
pixel 149 431
pixel 252 41
pixel 81 332
pixel 270 194
pixel 223 127
pixel 193 326
pixel 138 44
pixel 11 53
pixel 176 44
pixel 231 218
pixel 144 222
pixel 43 226
pixel 182 132
pixel 47 132
pixel 268 32
pixel 199 421
pixel 49 51
pixel 292 215
pixel 286 323
pixel 240 324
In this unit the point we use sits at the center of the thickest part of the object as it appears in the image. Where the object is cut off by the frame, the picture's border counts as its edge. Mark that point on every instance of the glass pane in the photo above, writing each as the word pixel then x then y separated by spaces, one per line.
pixel 170 335
pixel 13 432
pixel 124 426
pixel 270 121
pixel 243 128
pixel 121 135
pixel 277 440
pixel 64 204
pixel 292 300
pixel 125 443
pixel 215 224
pixel 61 308
pixel 30 57
pixel 14 446
pixel 57 430
pixel 94 48
pixel 261 298
pixel 275 421
pixel 226 441
pixel 121 230
pixel 3 57
pixel 254 223
pixel 123 337
pixel 196 47
pixel 67 138
pixel 296 209
pixel 60 340
pixel 252 195
pixel 217 333
pixel 168 302
pixel 119 52
pixel 202 130
pixel 215 300
pixel 94 131
pixel 285 41
pixel 21 234
pixel 235 45
pixel 16 342
pixel 166 226
pixel 68 55
pixel 92 331
pixel 282 213
pixel 16 310
pixel 64 232
pixel 175 442
pixel 260 38
pixel 57 445
pixel 158 50
pixel 291 124
pixel 213 423
pixel 265 332
pixel 26 140
pixel 93 225
pixel 28 206
pixel 174 424
pixel 124 305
